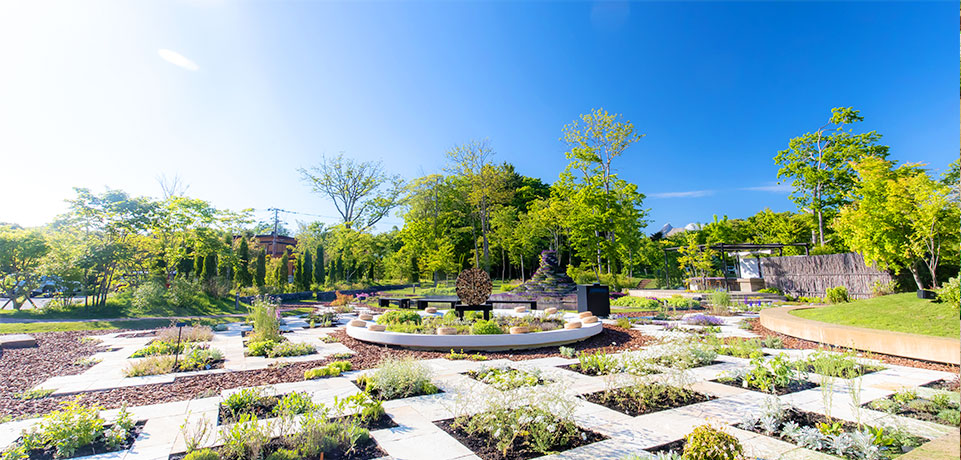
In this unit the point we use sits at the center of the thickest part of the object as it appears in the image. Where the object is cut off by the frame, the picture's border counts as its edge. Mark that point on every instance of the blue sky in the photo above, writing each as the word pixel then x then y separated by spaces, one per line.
pixel 234 96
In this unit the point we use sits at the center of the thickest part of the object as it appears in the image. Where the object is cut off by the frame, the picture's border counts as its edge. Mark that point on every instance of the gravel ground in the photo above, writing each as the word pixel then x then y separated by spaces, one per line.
pixel 40 366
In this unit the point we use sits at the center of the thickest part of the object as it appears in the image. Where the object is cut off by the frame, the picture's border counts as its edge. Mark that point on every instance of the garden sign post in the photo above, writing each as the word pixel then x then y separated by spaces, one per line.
pixel 180 330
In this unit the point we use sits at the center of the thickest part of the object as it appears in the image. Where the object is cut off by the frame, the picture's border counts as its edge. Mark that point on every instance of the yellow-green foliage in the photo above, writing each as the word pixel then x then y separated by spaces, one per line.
pixel 709 443
pixel 330 370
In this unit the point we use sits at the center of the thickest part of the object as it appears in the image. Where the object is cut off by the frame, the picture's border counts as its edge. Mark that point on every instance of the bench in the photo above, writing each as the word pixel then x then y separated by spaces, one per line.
pixel 402 302
pixel 424 302
pixel 531 304
pixel 487 308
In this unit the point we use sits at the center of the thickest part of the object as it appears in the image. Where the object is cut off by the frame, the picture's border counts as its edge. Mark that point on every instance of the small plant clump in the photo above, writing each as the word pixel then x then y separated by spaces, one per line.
pixel 777 375
pixel 460 356
pixel 505 378
pixel 33 394
pixel 398 378
pixel 341 300
pixel 646 397
pixel 196 358
pixel 939 408
pixel 330 370
pixel 186 333
pixel 74 430
pixel 709 443
pixel 837 294
pixel 838 365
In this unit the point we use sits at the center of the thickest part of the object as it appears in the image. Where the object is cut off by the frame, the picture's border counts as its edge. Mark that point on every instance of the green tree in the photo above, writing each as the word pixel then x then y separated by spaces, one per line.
pixel 243 263
pixel 697 260
pixel 319 275
pixel 307 271
pixel 900 218
pixel 260 269
pixel 210 267
pixel 818 164
pixel 298 272
pixel 21 253
pixel 360 190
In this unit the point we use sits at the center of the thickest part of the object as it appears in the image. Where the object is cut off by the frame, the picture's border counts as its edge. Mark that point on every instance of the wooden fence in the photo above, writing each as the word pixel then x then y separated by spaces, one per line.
pixel 811 275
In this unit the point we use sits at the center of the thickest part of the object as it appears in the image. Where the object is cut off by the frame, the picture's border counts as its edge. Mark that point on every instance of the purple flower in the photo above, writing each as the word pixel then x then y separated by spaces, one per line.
pixel 703 320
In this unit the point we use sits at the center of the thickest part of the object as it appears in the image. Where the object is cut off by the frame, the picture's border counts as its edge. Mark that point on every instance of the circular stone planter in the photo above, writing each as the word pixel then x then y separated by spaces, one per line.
pixel 377 327
pixel 520 330
pixel 365 317
pixel 493 342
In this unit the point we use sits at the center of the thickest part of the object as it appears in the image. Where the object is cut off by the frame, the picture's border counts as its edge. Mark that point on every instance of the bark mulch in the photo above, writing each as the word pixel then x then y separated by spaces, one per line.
pixel 367 355
pixel 801 344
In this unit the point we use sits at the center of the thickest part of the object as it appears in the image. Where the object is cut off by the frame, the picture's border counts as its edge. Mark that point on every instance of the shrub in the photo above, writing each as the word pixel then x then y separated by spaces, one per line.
pixel 245 439
pixel 185 293
pixel 153 365
pixel 244 400
pixel 341 299
pixel 295 403
pixel 837 294
pixel 284 454
pixel 643 303
pixel 879 289
pixel 200 358
pixel 291 349
pixel 720 298
pixel 771 290
pixel 506 378
pixel 263 314
pixel 260 348
pixel 400 378
pixel 205 454
pixel 704 320
pixel 624 323
pixel 567 352
pixel 950 416
pixel 72 427
pixel 709 443
pixel 158 347
pixel 330 370
pixel 951 292
pixel 677 301
pixel 399 317
pixel 484 327
pixel 597 363
pixel 149 296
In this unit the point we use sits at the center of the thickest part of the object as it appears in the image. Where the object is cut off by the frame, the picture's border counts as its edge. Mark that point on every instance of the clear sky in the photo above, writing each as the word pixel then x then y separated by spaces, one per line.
pixel 234 96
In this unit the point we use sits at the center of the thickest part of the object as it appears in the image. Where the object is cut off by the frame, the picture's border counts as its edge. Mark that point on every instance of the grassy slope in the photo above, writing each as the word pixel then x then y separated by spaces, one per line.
pixel 897 312
pixel 116 308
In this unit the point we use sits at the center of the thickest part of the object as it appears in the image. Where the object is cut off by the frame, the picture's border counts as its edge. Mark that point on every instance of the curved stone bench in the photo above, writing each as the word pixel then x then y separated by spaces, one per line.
pixel 916 346
pixel 494 342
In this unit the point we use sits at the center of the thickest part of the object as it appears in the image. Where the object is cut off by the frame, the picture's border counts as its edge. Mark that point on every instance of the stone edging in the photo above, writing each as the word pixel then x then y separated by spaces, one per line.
pixel 916 346
pixel 493 342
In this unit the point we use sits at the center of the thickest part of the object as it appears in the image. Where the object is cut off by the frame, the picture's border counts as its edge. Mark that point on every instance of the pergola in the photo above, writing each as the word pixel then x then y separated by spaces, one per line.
pixel 724 248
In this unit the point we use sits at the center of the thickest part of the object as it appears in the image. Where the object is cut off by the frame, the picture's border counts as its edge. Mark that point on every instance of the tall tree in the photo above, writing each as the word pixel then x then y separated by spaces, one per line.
pixel 590 184
pixel 243 263
pixel 260 269
pixel 360 190
pixel 307 271
pixel 900 218
pixel 319 275
pixel 210 266
pixel 818 164
pixel 485 185
pixel 21 252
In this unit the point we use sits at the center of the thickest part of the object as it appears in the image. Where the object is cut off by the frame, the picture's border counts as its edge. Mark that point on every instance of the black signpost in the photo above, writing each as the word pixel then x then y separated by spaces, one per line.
pixel 180 330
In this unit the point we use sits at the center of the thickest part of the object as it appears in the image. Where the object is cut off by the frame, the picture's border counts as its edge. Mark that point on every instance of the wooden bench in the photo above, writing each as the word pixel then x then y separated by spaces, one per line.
pixel 486 308
pixel 531 304
pixel 402 302
pixel 424 302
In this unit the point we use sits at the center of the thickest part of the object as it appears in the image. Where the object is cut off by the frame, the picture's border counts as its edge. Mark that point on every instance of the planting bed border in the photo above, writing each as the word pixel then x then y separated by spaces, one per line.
pixel 494 342
pixel 802 386
pixel 371 450
pixel 595 398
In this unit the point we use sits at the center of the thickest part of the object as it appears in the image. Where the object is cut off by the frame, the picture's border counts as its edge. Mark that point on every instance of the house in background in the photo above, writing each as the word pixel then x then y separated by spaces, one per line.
pixel 275 245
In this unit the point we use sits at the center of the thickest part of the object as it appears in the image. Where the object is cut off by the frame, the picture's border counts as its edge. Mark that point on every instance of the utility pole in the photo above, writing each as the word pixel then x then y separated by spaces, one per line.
pixel 273 244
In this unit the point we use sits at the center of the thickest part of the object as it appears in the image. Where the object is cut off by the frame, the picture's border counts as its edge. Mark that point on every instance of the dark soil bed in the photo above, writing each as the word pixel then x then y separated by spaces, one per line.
pixel 622 401
pixel 365 452
pixel 866 369
pixel 540 380
pixel 674 446
pixel 801 344
pixel 906 411
pixel 949 385
pixel 374 394
pixel 794 387
pixel 263 409
pixel 576 368
pixel 485 449
pixel 98 447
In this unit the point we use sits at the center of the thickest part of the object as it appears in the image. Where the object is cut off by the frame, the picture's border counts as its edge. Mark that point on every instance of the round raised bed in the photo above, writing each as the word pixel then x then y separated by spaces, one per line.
pixel 490 342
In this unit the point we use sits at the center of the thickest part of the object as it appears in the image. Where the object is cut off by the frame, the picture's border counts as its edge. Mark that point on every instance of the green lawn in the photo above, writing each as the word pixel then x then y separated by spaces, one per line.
pixel 30 328
pixel 122 308
pixel 897 312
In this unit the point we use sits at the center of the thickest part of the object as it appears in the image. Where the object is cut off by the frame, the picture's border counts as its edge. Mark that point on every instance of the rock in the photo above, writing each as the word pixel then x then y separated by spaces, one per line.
pixel 550 311
pixel 589 320
pixel 573 325
pixel 520 330
pixel 365 317
pixel 584 314
pixel 358 323
pixel 377 327
pixel 430 310
pixel 17 341
pixel 447 331
pixel 520 309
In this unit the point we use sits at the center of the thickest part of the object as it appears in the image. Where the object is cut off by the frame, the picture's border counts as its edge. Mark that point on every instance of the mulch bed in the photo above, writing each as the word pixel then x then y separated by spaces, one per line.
pixel 264 408
pixel 98 447
pixel 801 344
pixel 793 387
pixel 674 446
pixel 24 368
pixel 906 411
pixel 483 447
pixel 619 400
pixel 375 394
pixel 949 385
pixel 811 419
pixel 366 452
pixel 56 354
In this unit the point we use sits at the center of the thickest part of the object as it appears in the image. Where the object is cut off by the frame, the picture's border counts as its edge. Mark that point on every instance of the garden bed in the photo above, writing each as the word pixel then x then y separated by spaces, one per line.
pixel 646 398
pixel 375 394
pixel 366 451
pixel 944 384
pixel 793 387
pixel 937 409
pixel 97 447
pixel 507 378
pixel 483 448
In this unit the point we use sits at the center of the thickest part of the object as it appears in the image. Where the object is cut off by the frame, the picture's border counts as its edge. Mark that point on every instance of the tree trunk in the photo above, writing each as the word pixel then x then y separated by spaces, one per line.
pixel 523 276
pixel 820 227
pixel 917 276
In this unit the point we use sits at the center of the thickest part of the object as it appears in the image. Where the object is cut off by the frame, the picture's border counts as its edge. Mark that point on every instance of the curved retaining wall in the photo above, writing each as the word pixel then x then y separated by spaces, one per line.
pixel 476 342
pixel 924 347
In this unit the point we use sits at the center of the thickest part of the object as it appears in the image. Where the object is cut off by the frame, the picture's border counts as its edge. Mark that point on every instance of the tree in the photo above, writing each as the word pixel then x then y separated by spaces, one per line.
pixel 243 263
pixel 319 275
pixel 696 260
pixel 298 272
pixel 260 270
pixel 590 185
pixel 900 218
pixel 360 190
pixel 21 252
pixel 484 185
pixel 307 271
pixel 210 267
pixel 819 164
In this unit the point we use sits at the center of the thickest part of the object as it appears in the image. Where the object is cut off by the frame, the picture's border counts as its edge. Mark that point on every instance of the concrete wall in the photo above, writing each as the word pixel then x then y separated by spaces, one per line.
pixel 924 347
